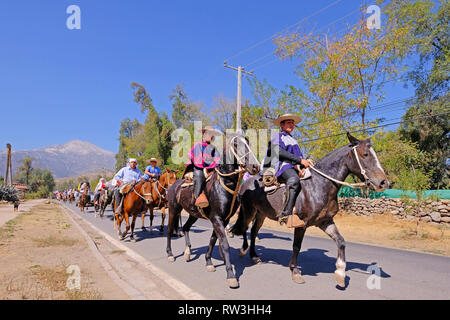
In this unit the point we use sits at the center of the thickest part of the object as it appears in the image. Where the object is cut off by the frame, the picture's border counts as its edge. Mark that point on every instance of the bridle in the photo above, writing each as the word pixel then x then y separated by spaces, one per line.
pixel 366 182
pixel 162 186
pixel 239 171
pixel 143 195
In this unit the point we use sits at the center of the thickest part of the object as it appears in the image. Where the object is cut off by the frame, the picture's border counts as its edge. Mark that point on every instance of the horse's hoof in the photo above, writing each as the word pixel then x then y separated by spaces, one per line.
pixel 257 239
pixel 187 254
pixel 339 277
pixel 133 240
pixel 171 258
pixel 233 283
pixel 210 268
pixel 257 260
pixel 242 252
pixel 144 229
pixel 297 278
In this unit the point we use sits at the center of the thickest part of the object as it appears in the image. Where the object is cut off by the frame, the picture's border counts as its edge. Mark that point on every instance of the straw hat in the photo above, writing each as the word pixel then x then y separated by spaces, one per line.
pixel 153 159
pixel 211 130
pixel 287 116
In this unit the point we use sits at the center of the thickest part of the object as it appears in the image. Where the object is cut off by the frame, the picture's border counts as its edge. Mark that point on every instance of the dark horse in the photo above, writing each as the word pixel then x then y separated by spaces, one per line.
pixel 316 204
pixel 221 192
pixel 104 199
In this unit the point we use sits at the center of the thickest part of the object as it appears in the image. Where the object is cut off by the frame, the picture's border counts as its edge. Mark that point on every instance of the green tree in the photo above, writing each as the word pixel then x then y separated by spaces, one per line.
pixel 405 164
pixel 430 77
pixel 24 172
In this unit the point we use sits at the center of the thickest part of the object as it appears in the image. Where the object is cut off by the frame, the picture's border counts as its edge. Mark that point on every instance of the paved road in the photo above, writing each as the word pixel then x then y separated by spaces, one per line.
pixel 403 274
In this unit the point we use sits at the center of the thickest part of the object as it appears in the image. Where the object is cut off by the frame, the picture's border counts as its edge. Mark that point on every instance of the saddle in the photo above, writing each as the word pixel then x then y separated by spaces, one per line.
pixel 271 183
pixel 125 189
pixel 189 177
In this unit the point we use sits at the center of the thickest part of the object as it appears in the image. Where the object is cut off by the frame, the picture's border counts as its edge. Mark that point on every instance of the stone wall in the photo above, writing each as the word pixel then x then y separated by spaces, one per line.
pixel 434 212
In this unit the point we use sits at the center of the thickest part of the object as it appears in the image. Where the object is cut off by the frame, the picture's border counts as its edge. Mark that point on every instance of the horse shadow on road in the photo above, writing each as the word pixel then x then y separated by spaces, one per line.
pixel 311 262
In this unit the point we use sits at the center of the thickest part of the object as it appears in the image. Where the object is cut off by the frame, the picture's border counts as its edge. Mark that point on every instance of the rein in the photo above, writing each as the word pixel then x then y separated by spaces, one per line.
pixel 142 196
pixel 233 192
pixel 351 185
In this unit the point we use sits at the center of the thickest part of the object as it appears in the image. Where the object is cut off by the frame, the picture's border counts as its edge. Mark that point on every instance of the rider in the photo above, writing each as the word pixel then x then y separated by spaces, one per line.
pixel 100 186
pixel 283 154
pixel 152 171
pixel 203 155
pixel 126 175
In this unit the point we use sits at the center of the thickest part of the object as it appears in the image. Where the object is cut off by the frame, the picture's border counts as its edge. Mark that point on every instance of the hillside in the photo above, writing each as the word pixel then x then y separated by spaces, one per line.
pixel 64 160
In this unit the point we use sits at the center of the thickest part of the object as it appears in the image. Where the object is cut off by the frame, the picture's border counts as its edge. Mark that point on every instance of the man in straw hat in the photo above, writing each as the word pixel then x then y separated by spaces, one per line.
pixel 203 155
pixel 152 171
pixel 126 175
pixel 283 154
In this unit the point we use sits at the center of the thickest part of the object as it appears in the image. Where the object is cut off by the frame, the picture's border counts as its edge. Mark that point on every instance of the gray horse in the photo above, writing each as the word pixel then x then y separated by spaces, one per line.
pixel 316 204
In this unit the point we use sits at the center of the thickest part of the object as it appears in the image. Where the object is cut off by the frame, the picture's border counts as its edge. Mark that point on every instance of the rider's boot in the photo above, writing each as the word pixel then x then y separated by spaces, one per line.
pixel 199 196
pixel 118 199
pixel 287 216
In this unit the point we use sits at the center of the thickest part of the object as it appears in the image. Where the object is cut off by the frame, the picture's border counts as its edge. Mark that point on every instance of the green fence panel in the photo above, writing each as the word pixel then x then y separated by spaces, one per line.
pixel 347 192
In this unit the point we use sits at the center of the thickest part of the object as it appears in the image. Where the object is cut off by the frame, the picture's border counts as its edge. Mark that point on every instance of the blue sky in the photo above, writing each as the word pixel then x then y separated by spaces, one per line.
pixel 57 84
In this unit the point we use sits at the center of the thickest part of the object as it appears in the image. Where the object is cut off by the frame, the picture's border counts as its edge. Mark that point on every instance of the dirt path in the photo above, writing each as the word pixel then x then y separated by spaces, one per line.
pixel 38 248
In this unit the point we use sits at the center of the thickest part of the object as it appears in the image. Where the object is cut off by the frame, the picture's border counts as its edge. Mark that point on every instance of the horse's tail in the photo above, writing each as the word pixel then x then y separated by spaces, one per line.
pixel 245 216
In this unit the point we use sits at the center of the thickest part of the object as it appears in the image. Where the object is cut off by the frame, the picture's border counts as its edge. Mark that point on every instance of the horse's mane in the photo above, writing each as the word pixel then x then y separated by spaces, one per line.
pixel 334 155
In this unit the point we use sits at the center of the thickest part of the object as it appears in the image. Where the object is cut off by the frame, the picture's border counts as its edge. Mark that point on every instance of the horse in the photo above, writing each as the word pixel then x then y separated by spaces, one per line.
pixel 159 196
pixel 103 201
pixel 135 201
pixel 221 190
pixel 83 200
pixel 71 198
pixel 316 203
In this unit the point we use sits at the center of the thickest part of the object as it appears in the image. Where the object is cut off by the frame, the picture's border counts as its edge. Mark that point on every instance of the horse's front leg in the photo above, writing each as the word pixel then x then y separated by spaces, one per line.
pixel 331 230
pixel 163 217
pixel 212 242
pixel 187 226
pixel 151 218
pixel 143 213
pixel 219 229
pixel 299 233
pixel 133 223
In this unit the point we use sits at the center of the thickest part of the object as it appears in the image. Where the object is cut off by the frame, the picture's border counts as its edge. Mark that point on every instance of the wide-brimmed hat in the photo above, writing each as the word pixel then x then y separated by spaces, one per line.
pixel 287 116
pixel 211 130
pixel 153 159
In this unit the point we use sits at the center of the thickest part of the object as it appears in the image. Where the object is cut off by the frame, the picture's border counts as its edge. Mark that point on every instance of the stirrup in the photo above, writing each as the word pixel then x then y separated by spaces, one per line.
pixel 202 201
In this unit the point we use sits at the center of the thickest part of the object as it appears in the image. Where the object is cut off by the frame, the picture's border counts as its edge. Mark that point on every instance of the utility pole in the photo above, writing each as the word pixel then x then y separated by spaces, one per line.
pixel 239 92
pixel 8 166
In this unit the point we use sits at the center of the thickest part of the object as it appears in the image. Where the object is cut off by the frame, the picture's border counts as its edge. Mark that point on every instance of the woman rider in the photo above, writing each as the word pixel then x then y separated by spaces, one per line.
pixel 203 155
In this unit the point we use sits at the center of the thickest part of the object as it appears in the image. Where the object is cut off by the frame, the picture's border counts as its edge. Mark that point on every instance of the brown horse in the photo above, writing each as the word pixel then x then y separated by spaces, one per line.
pixel 71 197
pixel 135 201
pixel 159 196
pixel 84 200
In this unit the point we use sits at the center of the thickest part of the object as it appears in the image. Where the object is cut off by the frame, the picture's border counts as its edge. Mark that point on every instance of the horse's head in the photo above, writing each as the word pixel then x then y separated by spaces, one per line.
pixel 365 164
pixel 146 191
pixel 238 148
pixel 168 178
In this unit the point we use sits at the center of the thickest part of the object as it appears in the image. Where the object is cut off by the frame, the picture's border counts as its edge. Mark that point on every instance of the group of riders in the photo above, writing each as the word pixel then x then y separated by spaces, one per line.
pixel 283 155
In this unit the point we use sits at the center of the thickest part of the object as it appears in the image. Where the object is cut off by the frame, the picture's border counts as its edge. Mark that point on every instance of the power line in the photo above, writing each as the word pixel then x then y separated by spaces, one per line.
pixel 376 127
pixel 276 59
pixel 331 23
pixel 300 21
